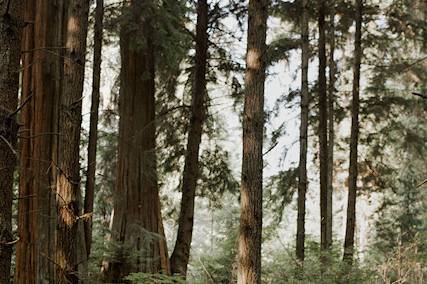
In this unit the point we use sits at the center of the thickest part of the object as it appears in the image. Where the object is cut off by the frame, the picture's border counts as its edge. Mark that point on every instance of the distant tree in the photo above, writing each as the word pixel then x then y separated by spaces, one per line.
pixel 354 139
pixel 323 126
pixel 302 174
pixel 137 225
pixel 93 128
pixel 180 256
pixel 11 24
pixel 249 270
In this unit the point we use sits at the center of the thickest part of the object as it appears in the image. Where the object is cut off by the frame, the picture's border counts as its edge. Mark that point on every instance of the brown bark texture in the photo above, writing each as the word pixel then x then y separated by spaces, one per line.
pixel 323 127
pixel 137 223
pixel 354 139
pixel 331 124
pixel 10 45
pixel 302 175
pixel 181 253
pixel 42 57
pixel 68 178
pixel 93 128
pixel 249 259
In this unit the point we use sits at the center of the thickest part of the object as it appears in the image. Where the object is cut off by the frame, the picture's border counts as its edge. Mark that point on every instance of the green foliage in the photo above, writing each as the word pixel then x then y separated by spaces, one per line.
pixel 145 278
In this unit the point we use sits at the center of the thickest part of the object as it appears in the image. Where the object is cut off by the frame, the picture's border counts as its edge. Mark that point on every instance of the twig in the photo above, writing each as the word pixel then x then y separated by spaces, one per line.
pixel 21 106
pixel 421 184
pixel 8 144
pixel 420 95
pixel 10 243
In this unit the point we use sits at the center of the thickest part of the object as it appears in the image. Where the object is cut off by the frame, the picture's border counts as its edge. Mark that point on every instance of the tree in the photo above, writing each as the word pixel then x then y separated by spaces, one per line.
pixel 249 270
pixel 331 120
pixel 323 127
pixel 302 169
pixel 181 253
pixel 93 130
pixel 137 226
pixel 68 179
pixel 42 58
pixel 10 46
pixel 354 137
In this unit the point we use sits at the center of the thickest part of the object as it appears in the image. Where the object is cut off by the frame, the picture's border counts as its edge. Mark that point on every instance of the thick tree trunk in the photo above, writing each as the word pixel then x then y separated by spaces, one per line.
pixel 41 86
pixel 249 269
pixel 323 128
pixel 354 138
pixel 68 180
pixel 10 46
pixel 137 221
pixel 302 176
pixel 181 253
pixel 331 126
pixel 93 128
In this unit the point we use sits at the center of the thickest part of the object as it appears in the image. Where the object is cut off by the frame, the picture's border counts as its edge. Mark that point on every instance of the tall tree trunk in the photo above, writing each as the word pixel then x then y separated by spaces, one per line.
pixel 68 180
pixel 249 270
pixel 137 221
pixel 331 127
pixel 181 253
pixel 302 178
pixel 41 85
pixel 354 138
pixel 93 129
pixel 10 46
pixel 323 128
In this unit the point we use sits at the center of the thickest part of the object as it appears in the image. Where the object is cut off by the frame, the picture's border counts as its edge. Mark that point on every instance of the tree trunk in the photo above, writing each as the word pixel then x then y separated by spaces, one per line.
pixel 181 253
pixel 41 86
pixel 331 126
pixel 68 180
pixel 249 269
pixel 93 129
pixel 10 46
pixel 354 138
pixel 137 222
pixel 302 178
pixel 323 128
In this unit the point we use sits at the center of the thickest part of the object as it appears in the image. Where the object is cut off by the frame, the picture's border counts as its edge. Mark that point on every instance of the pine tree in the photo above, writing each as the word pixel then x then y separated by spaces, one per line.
pixel 10 46
pixel 323 125
pixel 70 117
pixel 354 138
pixel 302 179
pixel 93 130
pixel 181 253
pixel 249 270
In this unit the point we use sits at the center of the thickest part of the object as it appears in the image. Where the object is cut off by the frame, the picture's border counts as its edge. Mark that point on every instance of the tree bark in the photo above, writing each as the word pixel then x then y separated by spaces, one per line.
pixel 137 222
pixel 323 128
pixel 10 46
pixel 354 138
pixel 68 179
pixel 93 128
pixel 181 253
pixel 42 59
pixel 331 124
pixel 302 178
pixel 249 267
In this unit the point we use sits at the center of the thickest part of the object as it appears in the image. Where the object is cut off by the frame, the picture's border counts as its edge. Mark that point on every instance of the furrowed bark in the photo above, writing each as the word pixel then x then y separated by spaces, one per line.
pixel 42 58
pixel 93 128
pixel 249 266
pixel 11 25
pixel 137 222
pixel 354 138
pixel 70 117
pixel 302 175
pixel 181 253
